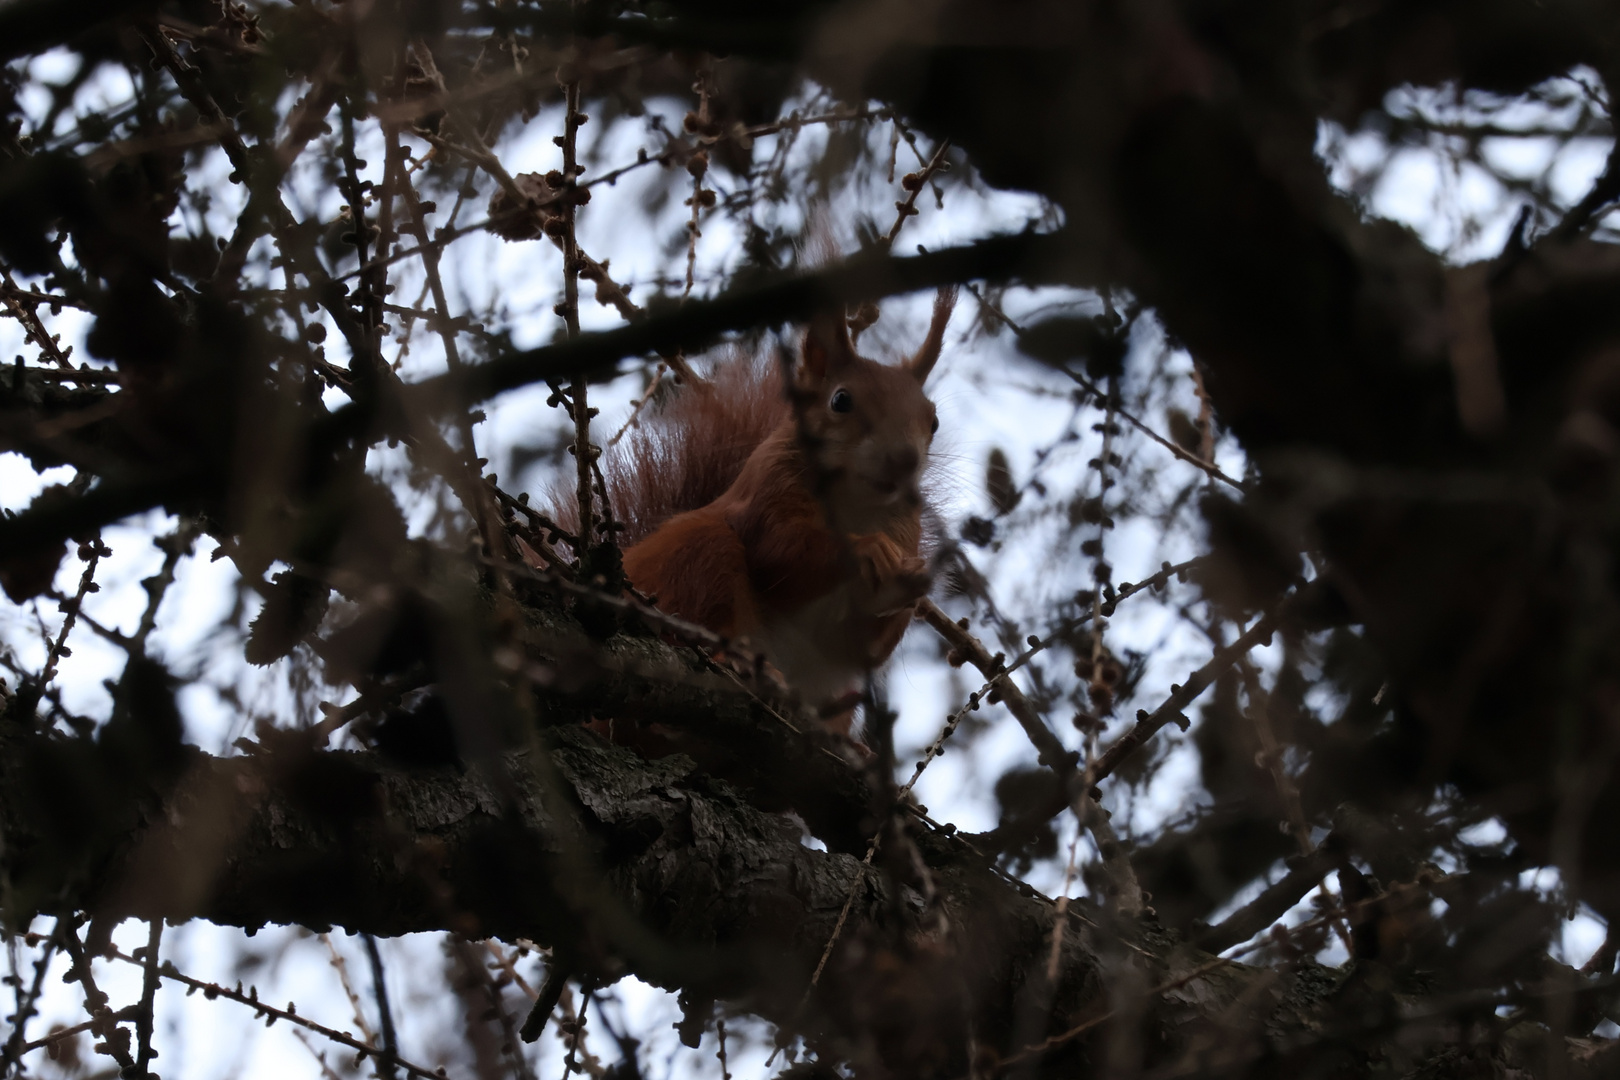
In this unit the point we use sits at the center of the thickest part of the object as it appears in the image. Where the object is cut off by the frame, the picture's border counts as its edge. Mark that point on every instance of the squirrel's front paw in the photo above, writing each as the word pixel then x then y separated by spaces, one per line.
pixel 908 583
pixel 893 579
pixel 914 577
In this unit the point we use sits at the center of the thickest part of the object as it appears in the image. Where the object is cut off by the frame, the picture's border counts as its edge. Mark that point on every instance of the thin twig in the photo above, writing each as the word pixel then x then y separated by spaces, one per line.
pixel 697 165
pixel 327 1072
pixel 545 999
pixel 577 395
pixel 508 966
pixel 1092 388
pixel 175 546
pixel 843 916
pixel 1147 724
pixel 70 608
pixel 1050 748
pixel 1206 416
pixel 913 183
pixel 27 1004
pixel 114 1040
pixel 57 1036
pixel 1304 874
pixel 250 998
pixel 149 986
pixel 634 419
pixel 81 374
pixel 388 1060
pixel 1271 754
pixel 23 306
pixel 1209 467
pixel 342 967
pixel 471 961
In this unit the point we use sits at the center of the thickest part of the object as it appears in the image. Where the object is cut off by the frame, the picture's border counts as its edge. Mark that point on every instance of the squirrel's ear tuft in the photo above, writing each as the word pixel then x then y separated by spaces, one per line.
pixel 922 363
pixel 827 347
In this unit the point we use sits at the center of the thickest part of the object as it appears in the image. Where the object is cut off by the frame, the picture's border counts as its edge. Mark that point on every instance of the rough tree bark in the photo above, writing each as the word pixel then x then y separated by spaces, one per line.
pixel 625 866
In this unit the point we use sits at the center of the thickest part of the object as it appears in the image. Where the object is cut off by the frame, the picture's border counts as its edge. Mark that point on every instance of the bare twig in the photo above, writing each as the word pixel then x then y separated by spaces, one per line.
pixel 502 958
pixel 1206 416
pixel 913 183
pixel 57 1036
pixel 1304 874
pixel 342 967
pixel 843 916
pixel 545 1000
pixel 1271 752
pixel 584 452
pixel 149 985
pixel 994 668
pixel 377 696
pixel 1147 724
pixel 1190 458
pixel 81 374
pixel 389 1058
pixel 697 165
pixel 114 1039
pixel 250 998
pixel 1097 392
pixel 480 985
pixel 27 999
pixel 23 305
pixel 93 553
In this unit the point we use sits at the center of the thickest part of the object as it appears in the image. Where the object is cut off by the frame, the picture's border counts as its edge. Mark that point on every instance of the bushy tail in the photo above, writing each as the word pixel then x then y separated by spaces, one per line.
pixel 688 445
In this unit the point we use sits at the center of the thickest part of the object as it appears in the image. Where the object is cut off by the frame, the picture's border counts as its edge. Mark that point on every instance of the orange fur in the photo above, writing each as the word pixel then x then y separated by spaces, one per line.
pixel 687 445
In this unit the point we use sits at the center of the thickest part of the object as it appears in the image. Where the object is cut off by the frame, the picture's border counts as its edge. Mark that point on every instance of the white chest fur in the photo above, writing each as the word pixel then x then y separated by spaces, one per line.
pixel 821 648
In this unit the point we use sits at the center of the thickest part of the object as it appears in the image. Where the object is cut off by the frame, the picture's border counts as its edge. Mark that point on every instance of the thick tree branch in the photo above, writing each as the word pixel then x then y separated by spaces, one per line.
pixel 694 325
pixel 623 866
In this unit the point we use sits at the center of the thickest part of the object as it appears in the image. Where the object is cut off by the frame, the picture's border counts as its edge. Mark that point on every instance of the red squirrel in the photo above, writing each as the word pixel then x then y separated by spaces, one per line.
pixel 792 520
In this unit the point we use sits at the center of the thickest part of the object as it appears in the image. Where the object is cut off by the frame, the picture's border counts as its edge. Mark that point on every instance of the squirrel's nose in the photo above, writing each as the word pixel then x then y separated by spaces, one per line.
pixel 904 461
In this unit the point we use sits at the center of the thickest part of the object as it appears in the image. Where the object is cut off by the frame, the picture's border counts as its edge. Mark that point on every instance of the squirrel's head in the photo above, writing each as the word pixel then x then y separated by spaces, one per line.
pixel 866 426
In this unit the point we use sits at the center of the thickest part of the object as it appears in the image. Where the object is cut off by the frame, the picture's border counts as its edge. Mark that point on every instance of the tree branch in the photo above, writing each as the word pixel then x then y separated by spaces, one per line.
pixel 623 866
pixel 694 325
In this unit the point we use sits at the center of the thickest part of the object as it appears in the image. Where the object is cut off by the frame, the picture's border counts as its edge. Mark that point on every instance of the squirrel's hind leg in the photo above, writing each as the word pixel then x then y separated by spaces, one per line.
pixel 696 567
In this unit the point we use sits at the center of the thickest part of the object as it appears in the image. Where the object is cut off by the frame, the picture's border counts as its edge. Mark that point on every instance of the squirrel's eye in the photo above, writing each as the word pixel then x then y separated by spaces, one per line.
pixel 933 428
pixel 841 401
